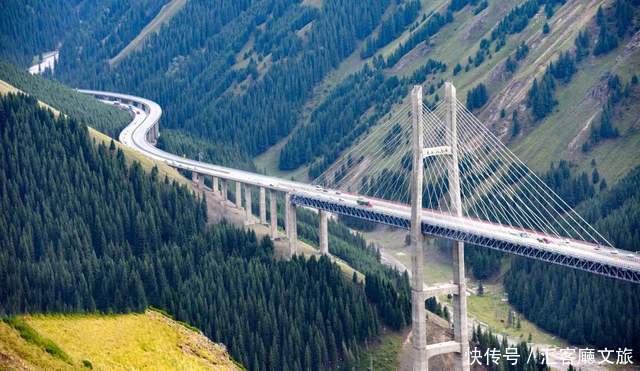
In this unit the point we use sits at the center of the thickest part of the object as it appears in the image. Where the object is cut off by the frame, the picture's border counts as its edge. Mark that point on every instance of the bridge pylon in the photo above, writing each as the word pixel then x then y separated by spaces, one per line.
pixel 460 344
pixel 418 311
pixel 460 330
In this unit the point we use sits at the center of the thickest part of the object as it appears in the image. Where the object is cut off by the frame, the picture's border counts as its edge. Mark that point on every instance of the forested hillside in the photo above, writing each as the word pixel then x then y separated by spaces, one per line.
pixel 29 28
pixel 36 24
pixel 583 308
pixel 59 255
pixel 213 86
pixel 246 73
pixel 300 81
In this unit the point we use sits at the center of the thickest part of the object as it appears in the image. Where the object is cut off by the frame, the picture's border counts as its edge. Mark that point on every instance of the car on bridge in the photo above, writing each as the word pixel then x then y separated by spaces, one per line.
pixel 364 203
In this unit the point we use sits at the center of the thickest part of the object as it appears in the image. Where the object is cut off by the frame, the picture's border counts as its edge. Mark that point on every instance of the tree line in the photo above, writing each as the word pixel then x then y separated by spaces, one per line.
pixel 541 95
pixel 387 288
pixel 86 109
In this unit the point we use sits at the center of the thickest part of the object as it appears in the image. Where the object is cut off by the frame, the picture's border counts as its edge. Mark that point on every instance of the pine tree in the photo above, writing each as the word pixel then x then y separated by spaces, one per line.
pixel 595 176
pixel 606 39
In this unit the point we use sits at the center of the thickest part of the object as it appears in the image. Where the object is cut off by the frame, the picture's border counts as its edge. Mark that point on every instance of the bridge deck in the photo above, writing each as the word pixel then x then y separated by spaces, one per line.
pixel 576 254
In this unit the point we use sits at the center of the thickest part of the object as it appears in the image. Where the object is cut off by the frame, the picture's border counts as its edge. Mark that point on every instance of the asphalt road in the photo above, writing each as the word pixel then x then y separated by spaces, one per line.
pixel 135 136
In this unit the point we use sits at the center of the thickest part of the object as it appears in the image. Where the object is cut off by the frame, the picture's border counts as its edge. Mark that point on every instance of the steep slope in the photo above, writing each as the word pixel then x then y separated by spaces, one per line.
pixel 471 61
pixel 240 72
pixel 115 342
pixel 244 78
pixel 248 74
pixel 29 28
pixel 164 15
pixel 100 118
pixel 59 253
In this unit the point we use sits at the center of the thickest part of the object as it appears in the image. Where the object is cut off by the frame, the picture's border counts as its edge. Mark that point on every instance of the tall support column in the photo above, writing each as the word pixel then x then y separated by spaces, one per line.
pixel 287 201
pixel 224 189
pixel 201 181
pixel 247 203
pixel 324 233
pixel 291 224
pixel 214 185
pixel 263 205
pixel 238 195
pixel 194 179
pixel 418 312
pixel 273 205
pixel 461 334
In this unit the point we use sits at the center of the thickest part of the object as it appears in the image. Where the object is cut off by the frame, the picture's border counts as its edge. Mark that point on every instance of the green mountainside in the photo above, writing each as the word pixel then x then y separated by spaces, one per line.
pixel 287 86
pixel 145 255
pixel 247 75
pixel 59 255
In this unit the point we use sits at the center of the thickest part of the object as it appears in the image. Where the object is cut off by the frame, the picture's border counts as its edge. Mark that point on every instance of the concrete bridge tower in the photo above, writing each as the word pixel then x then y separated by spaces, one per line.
pixel 419 293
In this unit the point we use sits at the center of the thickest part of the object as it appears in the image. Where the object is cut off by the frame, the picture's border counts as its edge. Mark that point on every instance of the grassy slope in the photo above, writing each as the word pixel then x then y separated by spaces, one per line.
pixel 166 13
pixel 383 354
pixel 558 136
pixel 17 353
pixel 129 341
pixel 268 161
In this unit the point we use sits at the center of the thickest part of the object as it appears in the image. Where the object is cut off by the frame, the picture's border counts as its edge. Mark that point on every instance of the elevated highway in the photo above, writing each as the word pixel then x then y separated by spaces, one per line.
pixel 143 131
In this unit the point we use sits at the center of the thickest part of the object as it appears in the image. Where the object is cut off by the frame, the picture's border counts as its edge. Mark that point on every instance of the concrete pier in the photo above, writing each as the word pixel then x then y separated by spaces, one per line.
pixel 239 195
pixel 273 211
pixel 194 179
pixel 223 191
pixel 247 204
pixel 263 205
pixel 291 224
pixel 324 233
pixel 214 182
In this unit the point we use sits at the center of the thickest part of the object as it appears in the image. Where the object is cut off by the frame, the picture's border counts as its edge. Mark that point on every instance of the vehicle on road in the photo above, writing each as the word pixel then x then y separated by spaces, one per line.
pixel 364 203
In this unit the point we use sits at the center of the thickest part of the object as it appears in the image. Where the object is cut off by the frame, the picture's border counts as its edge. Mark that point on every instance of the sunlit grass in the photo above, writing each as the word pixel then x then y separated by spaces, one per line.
pixel 382 354
pixel 147 340
pixel 492 309
pixel 18 352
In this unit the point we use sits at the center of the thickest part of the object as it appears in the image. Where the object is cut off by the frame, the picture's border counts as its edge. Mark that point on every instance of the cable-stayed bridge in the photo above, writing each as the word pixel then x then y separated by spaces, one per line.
pixel 468 187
